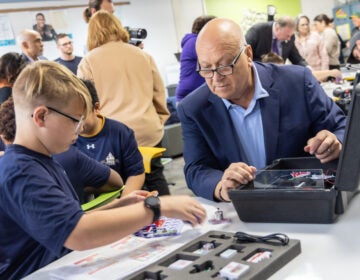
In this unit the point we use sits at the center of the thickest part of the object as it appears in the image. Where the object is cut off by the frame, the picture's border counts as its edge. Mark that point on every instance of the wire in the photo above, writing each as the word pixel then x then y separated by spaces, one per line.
pixel 273 239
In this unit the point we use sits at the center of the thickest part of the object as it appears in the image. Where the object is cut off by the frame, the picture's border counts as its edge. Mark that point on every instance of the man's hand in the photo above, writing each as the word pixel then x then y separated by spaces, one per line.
pixel 325 146
pixel 236 174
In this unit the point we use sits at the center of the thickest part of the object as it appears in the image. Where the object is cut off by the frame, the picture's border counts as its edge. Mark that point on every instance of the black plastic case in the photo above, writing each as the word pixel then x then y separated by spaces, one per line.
pixel 308 206
pixel 207 266
pixel 291 206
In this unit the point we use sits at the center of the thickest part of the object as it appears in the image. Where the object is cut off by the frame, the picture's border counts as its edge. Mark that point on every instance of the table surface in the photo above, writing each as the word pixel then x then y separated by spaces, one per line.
pixel 329 251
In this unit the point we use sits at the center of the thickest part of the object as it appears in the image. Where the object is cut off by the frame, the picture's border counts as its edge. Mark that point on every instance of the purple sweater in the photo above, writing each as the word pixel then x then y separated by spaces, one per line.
pixel 189 78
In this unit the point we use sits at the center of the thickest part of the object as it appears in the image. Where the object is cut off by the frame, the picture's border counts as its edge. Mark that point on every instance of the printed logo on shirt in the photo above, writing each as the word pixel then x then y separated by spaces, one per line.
pixel 110 160
pixel 90 146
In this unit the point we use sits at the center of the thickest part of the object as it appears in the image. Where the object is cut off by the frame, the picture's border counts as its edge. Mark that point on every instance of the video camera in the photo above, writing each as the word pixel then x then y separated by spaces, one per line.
pixel 136 35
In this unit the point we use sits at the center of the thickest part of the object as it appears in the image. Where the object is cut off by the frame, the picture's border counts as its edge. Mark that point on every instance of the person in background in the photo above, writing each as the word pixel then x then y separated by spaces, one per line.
pixel 129 86
pixel 11 65
pixel 189 78
pixel 320 75
pixel 355 18
pixel 43 218
pixel 248 114
pixel 343 44
pixel 330 39
pixel 275 36
pixel 46 31
pixel 310 45
pixel 272 58
pixel 31 45
pixel 97 5
pixel 113 144
pixel 66 48
pixel 354 47
pixel 7 124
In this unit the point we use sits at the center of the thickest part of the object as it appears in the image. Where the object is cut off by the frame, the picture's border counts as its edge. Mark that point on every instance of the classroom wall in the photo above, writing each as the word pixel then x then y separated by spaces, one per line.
pixel 166 21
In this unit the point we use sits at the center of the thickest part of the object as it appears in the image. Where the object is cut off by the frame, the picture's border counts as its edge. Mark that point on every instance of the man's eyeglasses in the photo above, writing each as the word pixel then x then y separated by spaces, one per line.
pixel 79 122
pixel 221 70
pixel 67 43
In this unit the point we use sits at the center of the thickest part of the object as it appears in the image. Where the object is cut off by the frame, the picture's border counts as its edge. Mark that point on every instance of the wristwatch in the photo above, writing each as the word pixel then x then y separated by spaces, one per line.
pixel 153 203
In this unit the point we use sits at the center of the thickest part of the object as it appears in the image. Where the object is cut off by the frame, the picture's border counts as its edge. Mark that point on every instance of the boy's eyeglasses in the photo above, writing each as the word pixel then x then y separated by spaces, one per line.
pixel 79 122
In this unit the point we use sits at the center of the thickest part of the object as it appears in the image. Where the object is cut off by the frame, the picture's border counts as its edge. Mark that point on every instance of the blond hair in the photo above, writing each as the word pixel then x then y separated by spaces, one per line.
pixel 48 83
pixel 103 28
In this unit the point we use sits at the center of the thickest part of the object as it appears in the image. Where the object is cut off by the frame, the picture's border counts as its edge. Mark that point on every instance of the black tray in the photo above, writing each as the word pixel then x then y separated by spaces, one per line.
pixel 208 266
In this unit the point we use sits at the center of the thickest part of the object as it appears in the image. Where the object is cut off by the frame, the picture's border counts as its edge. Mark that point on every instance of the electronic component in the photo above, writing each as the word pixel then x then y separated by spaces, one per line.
pixel 234 270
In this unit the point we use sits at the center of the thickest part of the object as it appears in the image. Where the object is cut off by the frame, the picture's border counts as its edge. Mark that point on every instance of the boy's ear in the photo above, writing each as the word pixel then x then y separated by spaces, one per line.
pixel 39 115
pixel 97 107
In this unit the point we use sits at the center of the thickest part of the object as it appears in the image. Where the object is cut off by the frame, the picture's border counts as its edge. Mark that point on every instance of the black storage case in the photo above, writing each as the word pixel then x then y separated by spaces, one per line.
pixel 290 206
pixel 307 206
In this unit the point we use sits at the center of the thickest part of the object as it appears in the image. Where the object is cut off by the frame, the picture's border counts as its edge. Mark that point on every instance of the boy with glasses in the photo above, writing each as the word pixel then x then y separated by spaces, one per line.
pixel 41 219
pixel 249 114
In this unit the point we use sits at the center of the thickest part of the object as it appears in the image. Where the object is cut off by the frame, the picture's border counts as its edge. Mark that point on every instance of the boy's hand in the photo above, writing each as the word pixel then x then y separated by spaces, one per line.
pixel 182 207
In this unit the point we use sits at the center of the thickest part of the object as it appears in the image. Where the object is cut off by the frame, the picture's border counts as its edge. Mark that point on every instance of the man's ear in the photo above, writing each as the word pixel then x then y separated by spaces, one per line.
pixel 39 115
pixel 25 45
pixel 249 53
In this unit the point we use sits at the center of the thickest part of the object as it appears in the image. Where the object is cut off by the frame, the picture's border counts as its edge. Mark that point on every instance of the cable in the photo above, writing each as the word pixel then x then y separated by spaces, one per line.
pixel 273 239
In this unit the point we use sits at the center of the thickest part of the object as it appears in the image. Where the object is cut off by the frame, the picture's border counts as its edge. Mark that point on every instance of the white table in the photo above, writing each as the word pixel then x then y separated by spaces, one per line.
pixel 329 251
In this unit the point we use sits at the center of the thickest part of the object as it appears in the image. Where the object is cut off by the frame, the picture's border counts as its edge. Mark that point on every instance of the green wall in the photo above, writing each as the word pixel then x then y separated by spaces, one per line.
pixel 234 9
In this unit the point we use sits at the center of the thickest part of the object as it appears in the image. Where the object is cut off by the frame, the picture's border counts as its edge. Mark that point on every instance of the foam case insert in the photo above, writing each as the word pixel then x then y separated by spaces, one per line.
pixel 203 258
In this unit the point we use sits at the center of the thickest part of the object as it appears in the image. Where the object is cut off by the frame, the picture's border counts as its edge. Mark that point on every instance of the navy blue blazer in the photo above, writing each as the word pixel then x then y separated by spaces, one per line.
pixel 296 109
pixel 259 36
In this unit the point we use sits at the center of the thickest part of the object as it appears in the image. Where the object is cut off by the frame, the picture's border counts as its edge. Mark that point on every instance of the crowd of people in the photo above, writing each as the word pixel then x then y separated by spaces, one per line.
pixel 73 126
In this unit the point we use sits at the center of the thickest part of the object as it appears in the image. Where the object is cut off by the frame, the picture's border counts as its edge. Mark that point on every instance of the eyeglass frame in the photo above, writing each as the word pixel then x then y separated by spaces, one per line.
pixel 80 122
pixel 198 67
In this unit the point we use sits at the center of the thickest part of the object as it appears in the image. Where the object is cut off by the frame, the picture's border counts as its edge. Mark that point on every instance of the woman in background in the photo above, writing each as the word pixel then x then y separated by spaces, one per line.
pixel 310 45
pixel 129 87
pixel 189 78
pixel 330 38
pixel 96 5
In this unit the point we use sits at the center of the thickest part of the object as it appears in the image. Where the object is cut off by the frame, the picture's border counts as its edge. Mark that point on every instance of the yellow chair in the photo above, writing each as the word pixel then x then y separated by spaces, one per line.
pixel 148 153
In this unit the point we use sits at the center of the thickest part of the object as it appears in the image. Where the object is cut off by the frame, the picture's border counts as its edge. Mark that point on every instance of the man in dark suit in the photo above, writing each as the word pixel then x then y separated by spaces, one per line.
pixel 248 114
pixel 277 37
pixel 31 45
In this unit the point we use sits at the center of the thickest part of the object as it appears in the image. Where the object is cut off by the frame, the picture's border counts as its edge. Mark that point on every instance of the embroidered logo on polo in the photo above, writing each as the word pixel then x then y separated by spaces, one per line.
pixel 90 146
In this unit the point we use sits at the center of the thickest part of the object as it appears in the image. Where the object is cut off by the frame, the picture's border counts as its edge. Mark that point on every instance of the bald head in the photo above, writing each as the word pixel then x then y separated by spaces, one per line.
pixel 31 43
pixel 26 35
pixel 220 33
pixel 225 61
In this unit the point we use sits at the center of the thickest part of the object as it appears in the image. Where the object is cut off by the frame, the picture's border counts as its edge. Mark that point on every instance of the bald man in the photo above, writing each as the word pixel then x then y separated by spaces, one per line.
pixel 31 45
pixel 249 114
